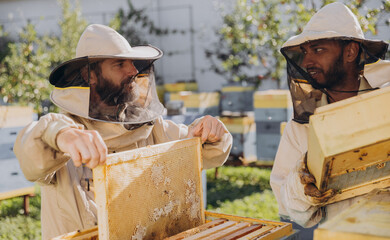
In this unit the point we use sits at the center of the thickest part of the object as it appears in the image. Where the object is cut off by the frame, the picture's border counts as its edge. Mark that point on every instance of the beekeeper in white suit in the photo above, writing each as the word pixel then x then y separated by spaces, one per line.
pixel 328 62
pixel 110 104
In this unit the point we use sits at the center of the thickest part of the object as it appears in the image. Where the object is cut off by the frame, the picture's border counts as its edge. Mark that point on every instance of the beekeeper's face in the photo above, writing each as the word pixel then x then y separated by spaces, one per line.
pixel 119 93
pixel 323 60
pixel 118 71
pixel 115 81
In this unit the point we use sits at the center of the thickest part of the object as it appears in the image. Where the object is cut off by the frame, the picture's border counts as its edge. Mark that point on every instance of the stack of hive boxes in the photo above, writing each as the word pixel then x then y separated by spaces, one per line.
pixel 181 86
pixel 167 88
pixel 236 100
pixel 195 103
pixel 12 120
pixel 272 108
pixel 202 103
pixel 243 130
pixel 237 115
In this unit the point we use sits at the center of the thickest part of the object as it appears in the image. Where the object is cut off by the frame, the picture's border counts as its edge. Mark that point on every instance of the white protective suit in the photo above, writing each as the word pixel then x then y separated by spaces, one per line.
pixel 67 205
pixel 332 21
pixel 67 197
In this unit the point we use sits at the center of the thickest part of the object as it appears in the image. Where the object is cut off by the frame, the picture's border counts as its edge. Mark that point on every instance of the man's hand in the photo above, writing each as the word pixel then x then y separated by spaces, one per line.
pixel 83 146
pixel 209 129
pixel 308 180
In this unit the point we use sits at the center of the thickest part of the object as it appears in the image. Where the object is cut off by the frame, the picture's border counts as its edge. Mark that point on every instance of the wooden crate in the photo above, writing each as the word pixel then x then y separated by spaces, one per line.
pixel 368 219
pixel 217 226
pixel 349 145
pixel 151 192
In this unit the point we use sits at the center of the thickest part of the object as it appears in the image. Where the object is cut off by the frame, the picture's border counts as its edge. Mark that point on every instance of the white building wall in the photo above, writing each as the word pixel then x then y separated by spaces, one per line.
pixel 188 59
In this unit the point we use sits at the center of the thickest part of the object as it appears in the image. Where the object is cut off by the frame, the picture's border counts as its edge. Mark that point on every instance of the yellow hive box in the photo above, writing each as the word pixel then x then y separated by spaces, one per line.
pixel 349 145
pixel 217 226
pixel 239 124
pixel 196 99
pixel 368 219
pixel 282 127
pixel 181 86
pixel 237 89
pixel 151 192
pixel 15 116
pixel 160 92
pixel 277 98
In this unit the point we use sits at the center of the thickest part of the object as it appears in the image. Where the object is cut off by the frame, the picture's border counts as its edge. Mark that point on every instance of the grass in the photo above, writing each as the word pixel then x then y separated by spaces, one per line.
pixel 242 191
pixel 15 225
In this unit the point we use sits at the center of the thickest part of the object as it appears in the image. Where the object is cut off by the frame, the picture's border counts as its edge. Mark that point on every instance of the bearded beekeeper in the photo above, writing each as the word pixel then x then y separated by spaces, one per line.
pixel 109 102
pixel 328 62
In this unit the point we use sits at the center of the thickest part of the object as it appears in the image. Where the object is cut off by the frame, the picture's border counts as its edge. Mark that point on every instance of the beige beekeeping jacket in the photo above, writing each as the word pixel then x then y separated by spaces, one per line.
pixel 285 181
pixel 333 21
pixel 67 198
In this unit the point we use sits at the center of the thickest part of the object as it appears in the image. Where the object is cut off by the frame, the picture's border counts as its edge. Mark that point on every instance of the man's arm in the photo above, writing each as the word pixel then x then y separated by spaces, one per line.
pixel 285 179
pixel 36 147
pixel 217 141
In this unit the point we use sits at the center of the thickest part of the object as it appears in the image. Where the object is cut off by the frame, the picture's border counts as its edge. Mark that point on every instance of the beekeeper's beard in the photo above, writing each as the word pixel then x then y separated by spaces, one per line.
pixel 334 75
pixel 114 95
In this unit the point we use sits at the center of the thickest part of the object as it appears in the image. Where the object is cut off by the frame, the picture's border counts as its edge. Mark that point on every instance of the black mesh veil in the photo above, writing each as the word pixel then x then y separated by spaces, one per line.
pixel 305 92
pixel 132 100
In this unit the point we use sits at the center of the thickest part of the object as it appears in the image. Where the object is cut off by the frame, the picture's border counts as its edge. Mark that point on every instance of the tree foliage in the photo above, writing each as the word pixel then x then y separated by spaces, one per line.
pixel 4 41
pixel 24 71
pixel 253 32
pixel 14 224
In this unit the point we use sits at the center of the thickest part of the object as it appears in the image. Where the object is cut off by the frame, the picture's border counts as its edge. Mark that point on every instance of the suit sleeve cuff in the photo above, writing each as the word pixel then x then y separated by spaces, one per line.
pixel 52 130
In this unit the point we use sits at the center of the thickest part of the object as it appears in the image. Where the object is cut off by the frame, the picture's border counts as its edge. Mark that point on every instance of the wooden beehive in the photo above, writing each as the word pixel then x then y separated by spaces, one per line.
pixel 229 227
pixel 368 219
pixel 349 145
pixel 151 192
pixel 196 102
pixel 217 226
pixel 243 130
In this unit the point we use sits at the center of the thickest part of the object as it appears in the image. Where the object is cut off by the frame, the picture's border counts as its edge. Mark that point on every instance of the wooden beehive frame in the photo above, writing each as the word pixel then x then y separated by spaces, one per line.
pixel 270 229
pixel 366 219
pixel 150 192
pixel 346 139
pixel 262 229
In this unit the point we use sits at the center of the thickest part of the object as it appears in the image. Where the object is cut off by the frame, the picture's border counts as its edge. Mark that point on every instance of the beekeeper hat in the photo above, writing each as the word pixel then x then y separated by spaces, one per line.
pixel 73 93
pixel 336 20
pixel 99 42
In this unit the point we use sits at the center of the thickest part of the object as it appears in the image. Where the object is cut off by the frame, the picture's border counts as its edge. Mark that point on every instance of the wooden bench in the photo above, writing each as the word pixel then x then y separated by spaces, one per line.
pixel 22 192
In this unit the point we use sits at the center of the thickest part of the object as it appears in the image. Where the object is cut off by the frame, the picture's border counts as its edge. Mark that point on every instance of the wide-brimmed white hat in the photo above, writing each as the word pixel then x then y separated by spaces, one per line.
pixel 72 93
pixel 336 20
pixel 100 42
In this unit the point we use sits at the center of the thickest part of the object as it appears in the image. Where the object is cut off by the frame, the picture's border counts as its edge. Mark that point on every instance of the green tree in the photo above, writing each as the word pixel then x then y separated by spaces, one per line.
pixel 4 41
pixel 253 32
pixel 25 70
